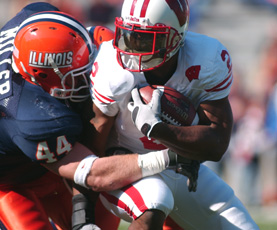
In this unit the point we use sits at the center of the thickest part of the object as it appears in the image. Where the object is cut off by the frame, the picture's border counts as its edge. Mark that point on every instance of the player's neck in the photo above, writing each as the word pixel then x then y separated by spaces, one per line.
pixel 162 74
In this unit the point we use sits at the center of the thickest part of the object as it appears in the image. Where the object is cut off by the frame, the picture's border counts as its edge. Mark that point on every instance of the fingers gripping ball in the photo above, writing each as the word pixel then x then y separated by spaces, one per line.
pixel 145 116
pixel 176 108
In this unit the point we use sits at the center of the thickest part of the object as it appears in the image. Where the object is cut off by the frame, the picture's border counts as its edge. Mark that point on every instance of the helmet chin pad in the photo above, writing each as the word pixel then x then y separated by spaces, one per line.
pixel 135 64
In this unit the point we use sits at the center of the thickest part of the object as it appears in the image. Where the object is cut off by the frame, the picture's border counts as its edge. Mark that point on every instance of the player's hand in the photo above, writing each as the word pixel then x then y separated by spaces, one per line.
pixel 90 227
pixel 187 167
pixel 190 169
pixel 83 213
pixel 145 116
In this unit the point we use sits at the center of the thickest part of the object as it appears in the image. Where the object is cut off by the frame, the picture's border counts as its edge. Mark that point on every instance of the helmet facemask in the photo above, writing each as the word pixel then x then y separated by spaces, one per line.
pixel 160 24
pixel 75 84
pixel 142 49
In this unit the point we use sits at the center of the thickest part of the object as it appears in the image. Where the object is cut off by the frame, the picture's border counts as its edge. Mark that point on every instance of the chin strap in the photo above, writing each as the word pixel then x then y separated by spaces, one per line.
pixel 55 67
pixel 33 79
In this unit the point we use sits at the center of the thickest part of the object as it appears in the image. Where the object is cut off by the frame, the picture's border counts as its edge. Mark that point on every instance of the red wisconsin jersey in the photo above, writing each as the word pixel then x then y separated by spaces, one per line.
pixel 204 72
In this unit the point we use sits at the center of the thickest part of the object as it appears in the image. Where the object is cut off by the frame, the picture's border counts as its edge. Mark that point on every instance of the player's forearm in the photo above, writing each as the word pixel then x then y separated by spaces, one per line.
pixel 207 141
pixel 99 174
pixel 199 142
pixel 109 173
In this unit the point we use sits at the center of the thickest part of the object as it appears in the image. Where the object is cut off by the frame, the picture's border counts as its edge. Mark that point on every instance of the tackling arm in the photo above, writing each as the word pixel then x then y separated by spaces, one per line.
pixel 105 174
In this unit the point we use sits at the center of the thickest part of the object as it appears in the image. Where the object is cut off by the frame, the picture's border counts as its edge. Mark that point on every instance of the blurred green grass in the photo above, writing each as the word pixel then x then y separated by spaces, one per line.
pixel 124 225
pixel 264 225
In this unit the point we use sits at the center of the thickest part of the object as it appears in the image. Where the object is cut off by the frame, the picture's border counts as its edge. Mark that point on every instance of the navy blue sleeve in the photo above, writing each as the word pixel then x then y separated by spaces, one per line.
pixel 37 125
pixel 27 11
pixel 40 6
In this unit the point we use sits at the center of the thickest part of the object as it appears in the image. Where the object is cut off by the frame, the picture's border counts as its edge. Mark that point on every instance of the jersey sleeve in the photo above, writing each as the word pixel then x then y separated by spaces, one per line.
pixel 110 84
pixel 44 129
pixel 217 74
pixel 48 146
pixel 26 12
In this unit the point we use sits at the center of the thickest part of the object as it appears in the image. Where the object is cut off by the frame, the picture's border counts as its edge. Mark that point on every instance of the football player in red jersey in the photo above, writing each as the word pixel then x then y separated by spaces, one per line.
pixel 152 46
pixel 45 59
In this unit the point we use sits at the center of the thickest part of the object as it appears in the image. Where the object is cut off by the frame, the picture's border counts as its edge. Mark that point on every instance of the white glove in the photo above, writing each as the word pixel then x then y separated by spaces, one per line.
pixel 145 116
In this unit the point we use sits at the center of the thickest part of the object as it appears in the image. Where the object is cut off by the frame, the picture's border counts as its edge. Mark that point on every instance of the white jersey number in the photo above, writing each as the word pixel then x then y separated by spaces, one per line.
pixel 44 153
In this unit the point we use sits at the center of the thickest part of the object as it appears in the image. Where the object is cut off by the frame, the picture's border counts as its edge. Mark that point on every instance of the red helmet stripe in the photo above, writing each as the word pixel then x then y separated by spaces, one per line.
pixel 133 7
pixel 144 8
pixel 179 7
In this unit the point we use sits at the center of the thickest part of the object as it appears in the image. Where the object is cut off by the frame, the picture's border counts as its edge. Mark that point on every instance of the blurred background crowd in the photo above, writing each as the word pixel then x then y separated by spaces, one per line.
pixel 248 28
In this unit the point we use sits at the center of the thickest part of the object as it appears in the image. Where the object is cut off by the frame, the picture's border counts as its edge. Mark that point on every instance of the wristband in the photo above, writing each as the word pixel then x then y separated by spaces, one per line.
pixel 83 170
pixel 153 162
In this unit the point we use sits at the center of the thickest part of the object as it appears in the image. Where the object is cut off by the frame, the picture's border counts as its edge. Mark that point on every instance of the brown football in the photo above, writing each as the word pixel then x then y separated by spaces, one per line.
pixel 176 108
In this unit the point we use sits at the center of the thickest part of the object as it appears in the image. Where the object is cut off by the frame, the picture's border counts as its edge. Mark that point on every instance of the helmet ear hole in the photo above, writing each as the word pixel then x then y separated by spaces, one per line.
pixel 34 30
pixel 72 34
pixel 42 75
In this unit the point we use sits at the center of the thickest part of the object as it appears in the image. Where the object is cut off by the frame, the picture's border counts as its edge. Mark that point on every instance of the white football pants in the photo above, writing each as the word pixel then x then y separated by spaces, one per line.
pixel 212 206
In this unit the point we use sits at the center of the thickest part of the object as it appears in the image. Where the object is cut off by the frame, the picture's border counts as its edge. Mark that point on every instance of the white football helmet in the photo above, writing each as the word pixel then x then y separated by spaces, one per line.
pixel 150 32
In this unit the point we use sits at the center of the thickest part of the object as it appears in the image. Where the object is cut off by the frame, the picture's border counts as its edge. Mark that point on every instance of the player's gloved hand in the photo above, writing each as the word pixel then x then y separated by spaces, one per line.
pixel 187 167
pixel 83 213
pixel 145 116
